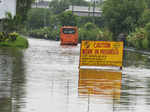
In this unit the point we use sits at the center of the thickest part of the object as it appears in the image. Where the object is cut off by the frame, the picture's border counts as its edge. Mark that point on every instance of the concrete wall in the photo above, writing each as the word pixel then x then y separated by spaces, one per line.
pixel 7 6
pixel 87 13
pixel 84 11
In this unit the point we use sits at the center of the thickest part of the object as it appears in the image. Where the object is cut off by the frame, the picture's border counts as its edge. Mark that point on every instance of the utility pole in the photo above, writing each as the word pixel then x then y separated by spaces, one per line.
pixel 90 8
pixel 72 8
pixel 1 25
pixel 93 8
pixel 93 2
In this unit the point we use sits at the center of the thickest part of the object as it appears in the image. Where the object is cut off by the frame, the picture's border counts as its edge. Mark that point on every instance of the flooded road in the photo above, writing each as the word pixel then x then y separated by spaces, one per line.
pixel 45 78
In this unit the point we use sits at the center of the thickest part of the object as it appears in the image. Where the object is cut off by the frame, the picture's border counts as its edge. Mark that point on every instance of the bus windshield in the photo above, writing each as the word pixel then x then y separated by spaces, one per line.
pixel 69 31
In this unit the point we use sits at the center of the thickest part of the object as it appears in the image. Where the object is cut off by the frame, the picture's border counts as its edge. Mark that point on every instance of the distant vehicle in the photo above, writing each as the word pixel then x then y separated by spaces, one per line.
pixel 69 35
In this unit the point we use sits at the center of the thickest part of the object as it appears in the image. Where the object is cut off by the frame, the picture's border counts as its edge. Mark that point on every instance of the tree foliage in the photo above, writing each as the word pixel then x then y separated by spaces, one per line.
pixel 123 15
pixel 90 31
pixel 148 3
pixel 11 23
pixel 58 6
pixel 68 19
pixel 145 18
pixel 38 18
pixel 23 7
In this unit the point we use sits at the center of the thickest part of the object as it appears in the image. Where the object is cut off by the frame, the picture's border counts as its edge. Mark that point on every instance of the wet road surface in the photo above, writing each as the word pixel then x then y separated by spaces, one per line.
pixel 45 78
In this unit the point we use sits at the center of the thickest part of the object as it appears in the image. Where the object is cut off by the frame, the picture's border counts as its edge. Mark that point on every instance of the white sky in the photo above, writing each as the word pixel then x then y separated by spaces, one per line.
pixel 50 0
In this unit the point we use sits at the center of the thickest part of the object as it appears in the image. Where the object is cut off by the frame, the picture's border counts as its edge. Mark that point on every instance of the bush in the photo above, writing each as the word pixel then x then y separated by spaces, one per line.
pixel 87 34
pixel 91 32
pixel 89 26
pixel 138 39
pixel 145 17
pixel 68 19
pixel 11 24
pixel 12 40
pixel 145 43
pixel 4 36
pixel 45 33
pixel 105 35
pixel 147 28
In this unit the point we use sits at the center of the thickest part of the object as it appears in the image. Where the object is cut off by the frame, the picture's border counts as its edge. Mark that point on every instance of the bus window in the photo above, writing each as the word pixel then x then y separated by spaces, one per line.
pixel 69 31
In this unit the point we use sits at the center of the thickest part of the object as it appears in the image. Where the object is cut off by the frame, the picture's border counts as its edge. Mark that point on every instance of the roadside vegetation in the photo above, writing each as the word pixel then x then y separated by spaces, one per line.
pixel 128 17
pixel 131 18
pixel 9 37
pixel 12 40
pixel 11 25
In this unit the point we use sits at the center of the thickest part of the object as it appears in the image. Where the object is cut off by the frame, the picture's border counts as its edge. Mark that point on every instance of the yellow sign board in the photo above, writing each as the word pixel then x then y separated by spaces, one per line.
pixel 101 53
pixel 100 82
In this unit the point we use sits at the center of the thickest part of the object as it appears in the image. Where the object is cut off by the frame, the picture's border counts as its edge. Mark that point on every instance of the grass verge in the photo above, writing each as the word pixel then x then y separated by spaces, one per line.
pixel 20 42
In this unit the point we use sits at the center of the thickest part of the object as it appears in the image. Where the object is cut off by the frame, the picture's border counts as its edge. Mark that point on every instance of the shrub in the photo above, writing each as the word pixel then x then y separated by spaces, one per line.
pixel 4 36
pixel 147 28
pixel 138 39
pixel 145 17
pixel 89 26
pixel 91 32
pixel 145 43
pixel 12 40
pixel 105 35
pixel 87 34
pixel 45 33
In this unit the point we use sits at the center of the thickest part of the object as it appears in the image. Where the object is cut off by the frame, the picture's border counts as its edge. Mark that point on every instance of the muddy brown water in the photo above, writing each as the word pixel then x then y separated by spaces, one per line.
pixel 45 78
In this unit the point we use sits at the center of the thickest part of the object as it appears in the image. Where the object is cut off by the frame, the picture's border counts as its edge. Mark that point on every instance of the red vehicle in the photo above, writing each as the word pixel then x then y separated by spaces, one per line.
pixel 69 35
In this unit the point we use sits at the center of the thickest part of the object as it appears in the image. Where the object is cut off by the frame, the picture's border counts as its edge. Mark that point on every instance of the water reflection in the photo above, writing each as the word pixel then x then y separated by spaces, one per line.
pixel 5 82
pixel 135 93
pixel 11 79
pixel 104 85
pixel 136 59
pixel 18 81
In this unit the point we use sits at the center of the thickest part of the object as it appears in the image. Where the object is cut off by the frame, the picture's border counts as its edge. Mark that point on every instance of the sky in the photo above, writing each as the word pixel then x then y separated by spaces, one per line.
pixel 50 0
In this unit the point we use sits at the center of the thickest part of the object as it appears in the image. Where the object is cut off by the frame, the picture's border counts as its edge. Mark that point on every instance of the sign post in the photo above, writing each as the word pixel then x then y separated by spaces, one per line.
pixel 101 53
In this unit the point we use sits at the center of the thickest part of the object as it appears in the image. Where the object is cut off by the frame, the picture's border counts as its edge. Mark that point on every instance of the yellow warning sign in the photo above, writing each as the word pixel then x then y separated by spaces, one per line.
pixel 101 53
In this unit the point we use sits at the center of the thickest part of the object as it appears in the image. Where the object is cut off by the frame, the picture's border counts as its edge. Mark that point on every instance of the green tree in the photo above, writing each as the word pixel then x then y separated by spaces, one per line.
pixel 90 26
pixel 148 3
pixel 38 18
pixel 145 18
pixel 58 6
pixel 68 19
pixel 90 31
pixel 123 15
pixel 23 7
pixel 11 23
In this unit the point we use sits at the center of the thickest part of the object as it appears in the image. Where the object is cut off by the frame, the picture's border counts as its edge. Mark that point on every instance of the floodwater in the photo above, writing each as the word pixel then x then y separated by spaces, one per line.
pixel 45 78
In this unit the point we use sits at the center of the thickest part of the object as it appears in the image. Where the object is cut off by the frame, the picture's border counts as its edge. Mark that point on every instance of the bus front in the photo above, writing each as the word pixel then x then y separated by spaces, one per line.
pixel 69 35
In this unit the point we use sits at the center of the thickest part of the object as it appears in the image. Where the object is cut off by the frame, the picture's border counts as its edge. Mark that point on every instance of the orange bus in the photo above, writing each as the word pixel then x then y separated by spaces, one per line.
pixel 69 35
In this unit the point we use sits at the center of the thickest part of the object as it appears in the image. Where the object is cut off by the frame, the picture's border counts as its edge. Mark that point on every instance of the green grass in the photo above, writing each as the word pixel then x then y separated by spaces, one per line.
pixel 20 42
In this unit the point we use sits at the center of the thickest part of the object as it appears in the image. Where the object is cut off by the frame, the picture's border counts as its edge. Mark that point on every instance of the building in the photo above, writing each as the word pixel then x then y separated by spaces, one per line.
pixel 41 4
pixel 7 6
pixel 85 10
